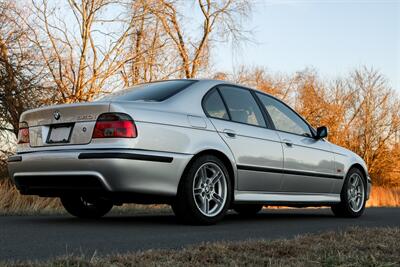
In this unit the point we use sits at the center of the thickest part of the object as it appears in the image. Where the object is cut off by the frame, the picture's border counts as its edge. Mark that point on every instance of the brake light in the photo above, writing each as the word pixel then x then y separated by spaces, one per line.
pixel 23 133
pixel 114 125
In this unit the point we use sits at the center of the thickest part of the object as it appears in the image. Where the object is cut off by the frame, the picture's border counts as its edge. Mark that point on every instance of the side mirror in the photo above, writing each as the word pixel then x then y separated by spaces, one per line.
pixel 322 132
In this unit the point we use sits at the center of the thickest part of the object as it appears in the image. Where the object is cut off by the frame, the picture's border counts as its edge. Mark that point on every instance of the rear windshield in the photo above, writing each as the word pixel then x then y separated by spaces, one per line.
pixel 153 92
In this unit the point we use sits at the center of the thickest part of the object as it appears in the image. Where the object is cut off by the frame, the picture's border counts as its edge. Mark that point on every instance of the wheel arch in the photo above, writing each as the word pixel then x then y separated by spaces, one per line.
pixel 364 172
pixel 361 169
pixel 231 167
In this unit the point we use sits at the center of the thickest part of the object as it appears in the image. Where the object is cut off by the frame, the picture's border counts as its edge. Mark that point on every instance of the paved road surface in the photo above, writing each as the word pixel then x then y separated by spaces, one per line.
pixel 41 237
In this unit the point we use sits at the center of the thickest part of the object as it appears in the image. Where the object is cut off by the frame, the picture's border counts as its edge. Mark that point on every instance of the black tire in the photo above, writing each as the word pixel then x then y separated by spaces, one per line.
pixel 344 209
pixel 184 206
pixel 85 207
pixel 247 210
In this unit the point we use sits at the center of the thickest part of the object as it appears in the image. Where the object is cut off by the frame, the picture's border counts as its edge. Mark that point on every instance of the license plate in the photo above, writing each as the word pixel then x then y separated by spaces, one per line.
pixel 59 134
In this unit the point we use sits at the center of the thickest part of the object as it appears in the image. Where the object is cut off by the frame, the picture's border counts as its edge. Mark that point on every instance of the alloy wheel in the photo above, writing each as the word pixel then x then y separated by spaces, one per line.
pixel 356 192
pixel 210 189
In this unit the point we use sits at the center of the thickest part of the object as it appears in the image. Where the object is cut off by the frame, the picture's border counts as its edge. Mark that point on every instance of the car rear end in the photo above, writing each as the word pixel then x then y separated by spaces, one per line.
pixel 97 148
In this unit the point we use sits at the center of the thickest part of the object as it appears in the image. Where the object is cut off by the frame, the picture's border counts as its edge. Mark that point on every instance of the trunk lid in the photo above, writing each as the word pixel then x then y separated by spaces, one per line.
pixel 70 124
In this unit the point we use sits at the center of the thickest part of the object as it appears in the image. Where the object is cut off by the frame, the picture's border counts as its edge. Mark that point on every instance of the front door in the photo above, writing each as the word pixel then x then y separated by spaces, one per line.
pixel 308 163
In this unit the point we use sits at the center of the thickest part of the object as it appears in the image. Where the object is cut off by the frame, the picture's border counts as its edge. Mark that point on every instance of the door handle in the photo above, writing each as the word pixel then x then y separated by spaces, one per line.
pixel 288 142
pixel 230 133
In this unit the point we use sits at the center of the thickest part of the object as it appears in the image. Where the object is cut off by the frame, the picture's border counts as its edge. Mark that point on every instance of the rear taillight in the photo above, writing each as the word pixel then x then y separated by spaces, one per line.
pixel 23 133
pixel 114 125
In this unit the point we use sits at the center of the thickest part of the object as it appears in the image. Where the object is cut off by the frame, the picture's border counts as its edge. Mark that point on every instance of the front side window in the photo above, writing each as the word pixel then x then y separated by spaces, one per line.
pixel 283 117
pixel 242 106
pixel 214 106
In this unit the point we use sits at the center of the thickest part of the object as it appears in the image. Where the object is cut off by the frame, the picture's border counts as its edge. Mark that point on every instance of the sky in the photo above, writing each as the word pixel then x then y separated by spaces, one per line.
pixel 332 37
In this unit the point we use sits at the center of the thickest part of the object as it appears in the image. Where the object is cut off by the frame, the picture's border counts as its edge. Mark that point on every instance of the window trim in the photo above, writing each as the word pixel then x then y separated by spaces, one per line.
pixel 206 95
pixel 312 130
pixel 216 87
pixel 266 115
pixel 255 100
pixel 269 123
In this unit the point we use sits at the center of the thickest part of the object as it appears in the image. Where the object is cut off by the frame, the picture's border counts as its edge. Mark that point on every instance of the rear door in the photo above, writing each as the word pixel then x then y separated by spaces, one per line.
pixel 308 162
pixel 241 124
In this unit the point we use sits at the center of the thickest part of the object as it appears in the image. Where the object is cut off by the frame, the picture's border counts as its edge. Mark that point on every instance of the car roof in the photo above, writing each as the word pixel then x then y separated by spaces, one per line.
pixel 188 100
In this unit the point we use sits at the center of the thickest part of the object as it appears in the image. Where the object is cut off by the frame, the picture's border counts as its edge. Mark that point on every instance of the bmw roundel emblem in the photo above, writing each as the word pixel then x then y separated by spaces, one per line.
pixel 57 115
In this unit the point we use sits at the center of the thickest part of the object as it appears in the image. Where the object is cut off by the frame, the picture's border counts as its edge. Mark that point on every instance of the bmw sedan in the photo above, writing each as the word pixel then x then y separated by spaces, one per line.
pixel 202 146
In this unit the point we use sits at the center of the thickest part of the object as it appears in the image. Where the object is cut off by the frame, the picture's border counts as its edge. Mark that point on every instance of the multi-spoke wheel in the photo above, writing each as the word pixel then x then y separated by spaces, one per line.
pixel 353 196
pixel 355 192
pixel 204 193
pixel 210 189
pixel 86 207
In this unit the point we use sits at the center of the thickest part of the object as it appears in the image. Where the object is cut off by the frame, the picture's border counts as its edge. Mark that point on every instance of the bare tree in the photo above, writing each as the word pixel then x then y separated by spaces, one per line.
pixel 311 99
pixel 149 45
pixel 83 47
pixel 20 75
pixel 375 119
pixel 221 21
pixel 280 86
pixel 362 113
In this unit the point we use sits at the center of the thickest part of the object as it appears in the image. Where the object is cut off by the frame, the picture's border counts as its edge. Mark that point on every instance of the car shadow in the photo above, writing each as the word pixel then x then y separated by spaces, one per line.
pixel 168 219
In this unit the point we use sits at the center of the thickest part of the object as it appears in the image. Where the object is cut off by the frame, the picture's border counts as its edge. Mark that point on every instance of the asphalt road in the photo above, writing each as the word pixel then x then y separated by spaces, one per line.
pixel 42 237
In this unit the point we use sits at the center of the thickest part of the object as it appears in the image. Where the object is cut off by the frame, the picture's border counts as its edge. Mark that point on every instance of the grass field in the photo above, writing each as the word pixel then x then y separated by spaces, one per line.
pixel 354 247
pixel 384 197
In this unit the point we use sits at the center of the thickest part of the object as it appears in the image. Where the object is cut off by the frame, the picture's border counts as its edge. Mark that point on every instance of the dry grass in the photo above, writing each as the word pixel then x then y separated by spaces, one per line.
pixel 384 197
pixel 12 202
pixel 354 247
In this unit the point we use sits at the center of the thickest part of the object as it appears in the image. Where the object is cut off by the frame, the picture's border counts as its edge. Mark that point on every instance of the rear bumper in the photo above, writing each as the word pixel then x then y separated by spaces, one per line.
pixel 53 173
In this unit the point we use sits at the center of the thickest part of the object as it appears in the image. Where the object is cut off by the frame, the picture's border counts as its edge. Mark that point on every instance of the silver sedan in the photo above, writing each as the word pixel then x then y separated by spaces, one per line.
pixel 203 146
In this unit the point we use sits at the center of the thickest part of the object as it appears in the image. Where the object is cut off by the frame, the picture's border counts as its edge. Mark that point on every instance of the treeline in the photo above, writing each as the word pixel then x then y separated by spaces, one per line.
pixel 71 51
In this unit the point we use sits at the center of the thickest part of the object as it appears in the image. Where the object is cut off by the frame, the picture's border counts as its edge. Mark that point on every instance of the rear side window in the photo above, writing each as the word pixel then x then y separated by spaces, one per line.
pixel 214 107
pixel 152 92
pixel 242 106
